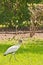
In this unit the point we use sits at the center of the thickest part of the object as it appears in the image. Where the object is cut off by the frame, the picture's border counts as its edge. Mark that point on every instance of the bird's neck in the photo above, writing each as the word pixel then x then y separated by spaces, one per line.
pixel 19 44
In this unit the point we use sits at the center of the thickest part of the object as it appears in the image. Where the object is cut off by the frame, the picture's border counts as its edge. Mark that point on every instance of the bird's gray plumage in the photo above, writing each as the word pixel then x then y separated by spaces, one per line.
pixel 13 48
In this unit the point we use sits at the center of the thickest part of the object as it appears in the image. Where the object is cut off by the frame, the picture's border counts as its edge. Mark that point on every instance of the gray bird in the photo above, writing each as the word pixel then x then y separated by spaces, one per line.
pixel 13 49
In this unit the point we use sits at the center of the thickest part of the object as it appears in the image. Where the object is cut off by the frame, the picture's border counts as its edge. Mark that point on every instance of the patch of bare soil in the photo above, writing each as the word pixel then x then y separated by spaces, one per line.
pixel 4 36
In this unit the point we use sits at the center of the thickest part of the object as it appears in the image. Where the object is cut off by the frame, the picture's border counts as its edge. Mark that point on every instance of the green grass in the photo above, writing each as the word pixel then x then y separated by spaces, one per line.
pixel 29 54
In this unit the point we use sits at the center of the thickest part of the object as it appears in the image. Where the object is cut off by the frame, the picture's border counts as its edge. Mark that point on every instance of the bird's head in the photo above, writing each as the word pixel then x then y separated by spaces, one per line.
pixel 20 41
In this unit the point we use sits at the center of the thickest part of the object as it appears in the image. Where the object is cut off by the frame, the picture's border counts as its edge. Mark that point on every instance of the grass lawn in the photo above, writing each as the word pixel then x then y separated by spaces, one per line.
pixel 29 54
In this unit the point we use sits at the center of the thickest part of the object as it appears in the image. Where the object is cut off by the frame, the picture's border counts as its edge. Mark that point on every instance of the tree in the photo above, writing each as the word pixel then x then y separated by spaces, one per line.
pixel 36 17
pixel 12 11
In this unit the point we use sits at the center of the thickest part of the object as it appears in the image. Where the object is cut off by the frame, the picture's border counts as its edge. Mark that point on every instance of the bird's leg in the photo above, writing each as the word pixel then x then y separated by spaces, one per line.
pixel 15 57
pixel 10 57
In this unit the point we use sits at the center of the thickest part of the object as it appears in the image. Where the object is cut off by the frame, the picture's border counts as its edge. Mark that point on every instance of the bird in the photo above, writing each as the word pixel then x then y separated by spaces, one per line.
pixel 13 49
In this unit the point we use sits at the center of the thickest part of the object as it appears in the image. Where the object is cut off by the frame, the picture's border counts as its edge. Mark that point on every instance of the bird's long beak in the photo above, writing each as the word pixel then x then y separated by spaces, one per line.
pixel 23 43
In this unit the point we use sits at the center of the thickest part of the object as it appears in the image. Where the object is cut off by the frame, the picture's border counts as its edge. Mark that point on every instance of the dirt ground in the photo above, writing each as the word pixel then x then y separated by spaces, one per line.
pixel 4 36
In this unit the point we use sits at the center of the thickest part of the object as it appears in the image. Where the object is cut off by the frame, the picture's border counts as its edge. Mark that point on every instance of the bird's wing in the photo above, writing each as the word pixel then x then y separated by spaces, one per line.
pixel 12 49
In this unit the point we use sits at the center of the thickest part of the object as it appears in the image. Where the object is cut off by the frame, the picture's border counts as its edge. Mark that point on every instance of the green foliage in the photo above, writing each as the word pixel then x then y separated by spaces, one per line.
pixel 13 10
pixel 34 1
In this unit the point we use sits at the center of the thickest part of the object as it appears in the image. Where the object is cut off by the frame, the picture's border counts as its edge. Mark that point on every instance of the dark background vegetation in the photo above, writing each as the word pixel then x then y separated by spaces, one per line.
pixel 15 13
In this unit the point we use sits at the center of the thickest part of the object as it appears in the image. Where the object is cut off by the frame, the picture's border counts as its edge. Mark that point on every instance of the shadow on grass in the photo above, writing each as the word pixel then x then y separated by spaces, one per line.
pixel 29 48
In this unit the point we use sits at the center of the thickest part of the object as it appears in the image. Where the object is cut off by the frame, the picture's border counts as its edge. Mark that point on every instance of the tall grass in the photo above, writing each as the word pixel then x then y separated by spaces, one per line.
pixel 29 54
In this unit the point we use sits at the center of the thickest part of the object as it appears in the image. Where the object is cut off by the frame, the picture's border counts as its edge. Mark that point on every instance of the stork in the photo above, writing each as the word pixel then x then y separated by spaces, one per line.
pixel 13 49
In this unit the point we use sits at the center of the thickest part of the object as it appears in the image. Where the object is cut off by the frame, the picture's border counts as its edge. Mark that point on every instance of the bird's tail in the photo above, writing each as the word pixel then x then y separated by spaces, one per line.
pixel 5 54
